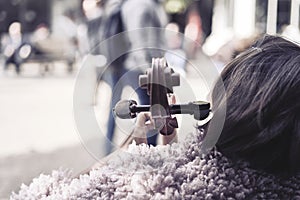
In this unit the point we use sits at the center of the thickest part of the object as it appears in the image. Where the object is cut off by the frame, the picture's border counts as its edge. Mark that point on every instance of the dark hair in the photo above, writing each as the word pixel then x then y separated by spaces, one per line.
pixel 262 124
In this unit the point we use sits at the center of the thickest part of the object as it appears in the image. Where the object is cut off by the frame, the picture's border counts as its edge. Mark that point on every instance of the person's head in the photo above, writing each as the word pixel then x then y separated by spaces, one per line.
pixel 262 124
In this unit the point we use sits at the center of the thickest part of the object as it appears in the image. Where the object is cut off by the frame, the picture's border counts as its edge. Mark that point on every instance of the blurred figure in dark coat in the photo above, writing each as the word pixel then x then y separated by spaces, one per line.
pixel 119 16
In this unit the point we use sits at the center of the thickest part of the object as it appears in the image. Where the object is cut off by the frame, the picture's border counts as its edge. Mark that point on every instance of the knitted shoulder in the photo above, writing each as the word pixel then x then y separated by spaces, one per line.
pixel 45 186
pixel 239 181
pixel 120 177
pixel 145 157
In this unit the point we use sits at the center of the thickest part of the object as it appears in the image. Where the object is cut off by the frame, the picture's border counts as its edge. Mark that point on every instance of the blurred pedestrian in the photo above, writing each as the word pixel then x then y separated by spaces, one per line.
pixel 12 46
pixel 127 15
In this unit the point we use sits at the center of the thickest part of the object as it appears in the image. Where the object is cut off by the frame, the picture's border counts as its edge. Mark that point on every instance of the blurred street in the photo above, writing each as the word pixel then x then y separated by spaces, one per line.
pixel 38 133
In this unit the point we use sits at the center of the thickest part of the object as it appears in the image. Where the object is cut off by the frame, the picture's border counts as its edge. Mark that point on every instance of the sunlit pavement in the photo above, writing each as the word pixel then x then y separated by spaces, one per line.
pixel 37 127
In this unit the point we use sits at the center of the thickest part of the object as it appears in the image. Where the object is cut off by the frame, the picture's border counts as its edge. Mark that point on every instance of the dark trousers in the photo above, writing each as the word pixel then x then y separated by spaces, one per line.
pixel 118 79
pixel 13 60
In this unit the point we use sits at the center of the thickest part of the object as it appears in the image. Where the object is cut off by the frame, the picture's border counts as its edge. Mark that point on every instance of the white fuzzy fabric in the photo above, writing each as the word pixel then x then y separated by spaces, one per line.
pixel 178 171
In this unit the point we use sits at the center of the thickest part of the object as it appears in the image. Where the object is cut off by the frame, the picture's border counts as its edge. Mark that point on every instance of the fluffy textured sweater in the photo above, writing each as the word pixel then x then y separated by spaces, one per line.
pixel 177 171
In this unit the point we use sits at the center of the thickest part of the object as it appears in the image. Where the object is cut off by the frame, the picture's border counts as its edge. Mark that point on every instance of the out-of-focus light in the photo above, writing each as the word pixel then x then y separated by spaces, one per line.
pixel 41 33
pixel 9 50
pixel 15 28
pixel 89 5
pixel 292 32
pixel 244 18
pixel 172 35
pixel 175 6
pixel 191 31
pixel 90 8
pixel 215 41
pixel 25 51
pixel 172 27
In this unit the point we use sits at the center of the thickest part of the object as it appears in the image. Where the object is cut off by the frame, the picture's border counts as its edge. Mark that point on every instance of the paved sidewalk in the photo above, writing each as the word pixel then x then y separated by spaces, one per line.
pixel 37 128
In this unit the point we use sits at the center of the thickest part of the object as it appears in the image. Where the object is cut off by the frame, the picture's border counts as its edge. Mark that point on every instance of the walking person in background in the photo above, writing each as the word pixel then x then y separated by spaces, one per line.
pixel 13 44
pixel 127 15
